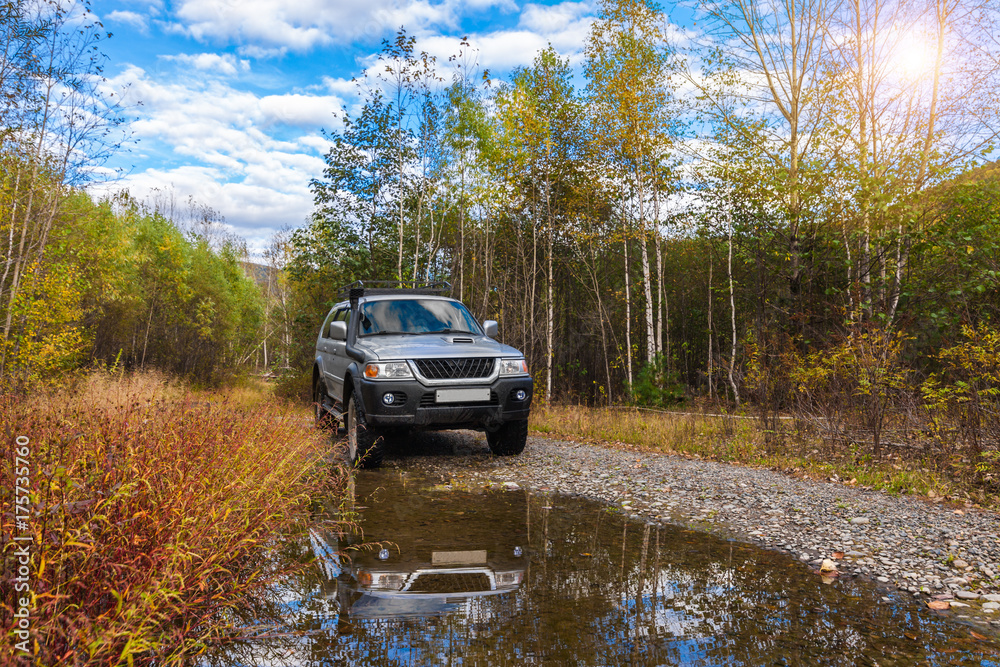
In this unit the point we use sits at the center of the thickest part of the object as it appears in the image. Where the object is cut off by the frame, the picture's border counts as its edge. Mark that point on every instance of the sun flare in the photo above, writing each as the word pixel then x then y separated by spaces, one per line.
pixel 912 56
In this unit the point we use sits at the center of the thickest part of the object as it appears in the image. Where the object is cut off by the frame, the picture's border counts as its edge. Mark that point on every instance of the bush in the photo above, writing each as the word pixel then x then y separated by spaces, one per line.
pixel 963 400
pixel 657 386
pixel 153 511
pixel 861 378
pixel 295 385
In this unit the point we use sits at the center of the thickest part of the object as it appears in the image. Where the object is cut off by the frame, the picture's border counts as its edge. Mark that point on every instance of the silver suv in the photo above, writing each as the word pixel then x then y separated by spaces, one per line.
pixel 394 359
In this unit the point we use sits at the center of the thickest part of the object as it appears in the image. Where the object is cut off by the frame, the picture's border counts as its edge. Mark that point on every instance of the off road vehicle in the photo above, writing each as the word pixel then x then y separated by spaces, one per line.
pixel 396 357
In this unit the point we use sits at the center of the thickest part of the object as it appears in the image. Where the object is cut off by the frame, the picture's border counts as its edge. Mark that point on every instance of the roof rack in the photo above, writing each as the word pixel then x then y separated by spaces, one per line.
pixel 360 288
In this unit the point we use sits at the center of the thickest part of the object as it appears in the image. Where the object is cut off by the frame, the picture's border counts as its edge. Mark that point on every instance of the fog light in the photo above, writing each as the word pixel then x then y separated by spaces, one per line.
pixel 520 395
pixel 389 398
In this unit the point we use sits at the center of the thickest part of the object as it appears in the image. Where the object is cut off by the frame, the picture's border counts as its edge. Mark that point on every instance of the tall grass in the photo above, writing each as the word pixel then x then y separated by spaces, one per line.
pixel 743 441
pixel 726 438
pixel 153 512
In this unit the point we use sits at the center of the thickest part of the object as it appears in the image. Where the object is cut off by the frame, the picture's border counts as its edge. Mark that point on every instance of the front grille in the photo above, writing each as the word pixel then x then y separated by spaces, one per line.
pixel 456 369
pixel 454 582
pixel 429 400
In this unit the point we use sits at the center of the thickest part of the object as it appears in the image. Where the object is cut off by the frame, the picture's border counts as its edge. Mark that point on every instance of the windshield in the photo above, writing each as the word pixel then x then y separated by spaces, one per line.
pixel 415 316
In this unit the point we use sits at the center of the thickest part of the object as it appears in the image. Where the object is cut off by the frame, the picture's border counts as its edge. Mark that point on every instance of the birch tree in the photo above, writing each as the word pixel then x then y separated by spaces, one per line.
pixel 542 122
pixel 772 54
pixel 59 121
pixel 627 65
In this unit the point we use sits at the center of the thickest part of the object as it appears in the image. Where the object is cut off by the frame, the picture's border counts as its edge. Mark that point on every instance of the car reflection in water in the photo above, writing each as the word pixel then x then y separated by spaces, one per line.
pixel 432 556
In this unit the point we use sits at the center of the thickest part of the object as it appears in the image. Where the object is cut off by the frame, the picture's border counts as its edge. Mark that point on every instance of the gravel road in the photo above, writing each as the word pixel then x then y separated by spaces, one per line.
pixel 936 551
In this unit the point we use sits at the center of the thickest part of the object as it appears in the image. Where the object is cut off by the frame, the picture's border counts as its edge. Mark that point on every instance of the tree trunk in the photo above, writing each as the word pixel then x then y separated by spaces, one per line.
pixel 659 273
pixel 628 316
pixel 711 367
pixel 732 308
pixel 550 325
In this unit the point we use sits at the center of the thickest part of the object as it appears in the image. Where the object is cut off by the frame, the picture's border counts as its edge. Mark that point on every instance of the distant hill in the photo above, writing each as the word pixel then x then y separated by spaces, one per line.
pixel 261 274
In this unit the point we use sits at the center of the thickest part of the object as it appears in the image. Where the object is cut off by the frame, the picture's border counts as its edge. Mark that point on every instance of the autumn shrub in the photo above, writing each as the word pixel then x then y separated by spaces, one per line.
pixel 295 385
pixel 963 401
pixel 154 510
pixel 855 382
pixel 729 439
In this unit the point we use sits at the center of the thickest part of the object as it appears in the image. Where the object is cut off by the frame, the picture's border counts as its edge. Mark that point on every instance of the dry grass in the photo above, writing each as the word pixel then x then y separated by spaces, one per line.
pixel 153 510
pixel 726 439
pixel 740 440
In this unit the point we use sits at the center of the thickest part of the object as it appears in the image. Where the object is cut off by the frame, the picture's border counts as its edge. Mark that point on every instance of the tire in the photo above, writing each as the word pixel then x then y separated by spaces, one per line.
pixel 509 439
pixel 324 420
pixel 365 445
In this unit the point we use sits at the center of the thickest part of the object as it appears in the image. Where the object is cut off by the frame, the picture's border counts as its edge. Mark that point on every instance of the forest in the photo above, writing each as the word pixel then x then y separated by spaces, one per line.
pixel 787 208
pixel 792 209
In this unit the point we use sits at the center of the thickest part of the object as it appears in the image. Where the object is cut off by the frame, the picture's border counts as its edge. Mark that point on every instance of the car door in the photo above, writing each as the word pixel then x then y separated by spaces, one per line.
pixel 339 361
pixel 324 348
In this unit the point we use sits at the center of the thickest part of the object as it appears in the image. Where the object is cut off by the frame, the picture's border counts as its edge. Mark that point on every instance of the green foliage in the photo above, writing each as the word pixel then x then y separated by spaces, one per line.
pixel 178 303
pixel 118 283
pixel 657 385
pixel 360 184
pixel 957 256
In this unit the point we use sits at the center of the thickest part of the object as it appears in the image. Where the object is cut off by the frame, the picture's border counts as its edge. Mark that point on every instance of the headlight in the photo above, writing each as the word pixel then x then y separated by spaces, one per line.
pixel 392 581
pixel 388 370
pixel 513 367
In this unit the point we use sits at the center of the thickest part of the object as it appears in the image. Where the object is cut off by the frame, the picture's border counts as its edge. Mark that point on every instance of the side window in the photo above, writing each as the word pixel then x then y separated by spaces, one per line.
pixel 325 331
pixel 344 315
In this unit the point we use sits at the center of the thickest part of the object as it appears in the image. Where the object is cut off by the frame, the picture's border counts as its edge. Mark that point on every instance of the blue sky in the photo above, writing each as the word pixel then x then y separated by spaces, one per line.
pixel 235 93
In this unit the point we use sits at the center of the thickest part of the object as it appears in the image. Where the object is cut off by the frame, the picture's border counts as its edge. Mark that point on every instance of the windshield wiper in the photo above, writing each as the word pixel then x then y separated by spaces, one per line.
pixel 451 331
pixel 389 333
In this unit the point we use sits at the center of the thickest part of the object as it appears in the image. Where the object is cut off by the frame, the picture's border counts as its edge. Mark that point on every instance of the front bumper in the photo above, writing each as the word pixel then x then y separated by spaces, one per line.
pixel 415 404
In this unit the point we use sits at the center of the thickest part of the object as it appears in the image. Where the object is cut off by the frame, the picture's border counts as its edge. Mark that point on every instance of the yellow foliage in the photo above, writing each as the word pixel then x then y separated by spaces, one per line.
pixel 45 338
pixel 963 398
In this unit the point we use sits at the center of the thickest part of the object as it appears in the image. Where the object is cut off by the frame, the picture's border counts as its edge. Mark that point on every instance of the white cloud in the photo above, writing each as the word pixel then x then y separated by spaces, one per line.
pixel 226 64
pixel 554 18
pixel 268 28
pixel 249 157
pixel 252 210
pixel 137 21
pixel 306 111
pixel 279 24
pixel 565 26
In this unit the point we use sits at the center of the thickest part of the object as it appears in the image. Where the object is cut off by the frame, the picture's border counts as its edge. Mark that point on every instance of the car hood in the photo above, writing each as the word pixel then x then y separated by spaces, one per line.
pixel 429 346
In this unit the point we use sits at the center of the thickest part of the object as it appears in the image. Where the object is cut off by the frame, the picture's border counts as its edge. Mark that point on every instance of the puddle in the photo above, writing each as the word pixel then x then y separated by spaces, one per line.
pixel 510 578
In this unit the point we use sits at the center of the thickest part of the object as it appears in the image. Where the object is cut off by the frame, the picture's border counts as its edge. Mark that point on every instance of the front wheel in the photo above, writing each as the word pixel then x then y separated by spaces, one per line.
pixel 509 439
pixel 365 446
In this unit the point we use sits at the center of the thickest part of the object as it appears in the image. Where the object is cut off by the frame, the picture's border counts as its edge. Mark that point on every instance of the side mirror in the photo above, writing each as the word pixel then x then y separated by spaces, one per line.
pixel 338 330
pixel 490 327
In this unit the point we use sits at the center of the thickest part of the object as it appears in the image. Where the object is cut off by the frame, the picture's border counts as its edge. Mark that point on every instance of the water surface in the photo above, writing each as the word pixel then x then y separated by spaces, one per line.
pixel 513 578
